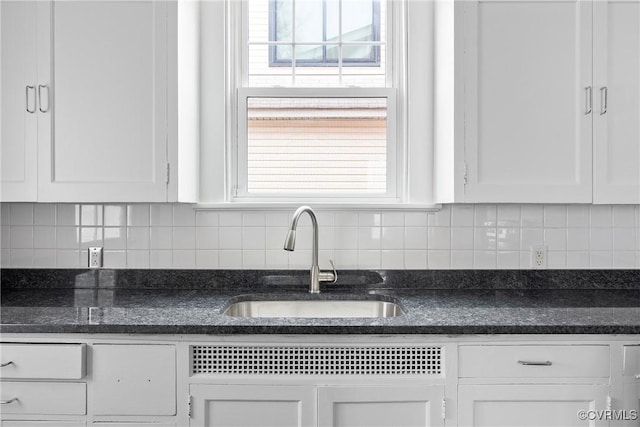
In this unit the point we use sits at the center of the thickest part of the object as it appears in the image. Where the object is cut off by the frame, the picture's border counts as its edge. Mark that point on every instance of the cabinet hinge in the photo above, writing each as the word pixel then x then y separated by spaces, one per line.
pixel 168 171
pixel 465 178
pixel 189 400
pixel 444 408
pixel 609 403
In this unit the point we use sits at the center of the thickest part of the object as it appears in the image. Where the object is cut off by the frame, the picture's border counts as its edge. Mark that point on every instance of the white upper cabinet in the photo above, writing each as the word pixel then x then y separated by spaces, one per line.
pixel 617 102
pixel 106 128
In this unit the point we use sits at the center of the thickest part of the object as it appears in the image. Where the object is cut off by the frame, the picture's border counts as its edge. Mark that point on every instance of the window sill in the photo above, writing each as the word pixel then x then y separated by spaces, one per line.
pixel 319 206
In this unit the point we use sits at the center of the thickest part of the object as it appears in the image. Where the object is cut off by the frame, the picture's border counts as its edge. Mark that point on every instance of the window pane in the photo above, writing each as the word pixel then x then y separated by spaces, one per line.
pixel 308 20
pixel 317 145
pixel 358 21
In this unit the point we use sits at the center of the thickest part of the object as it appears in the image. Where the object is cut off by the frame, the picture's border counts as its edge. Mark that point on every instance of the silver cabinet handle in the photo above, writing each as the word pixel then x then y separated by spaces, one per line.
pixel 638 377
pixel 27 89
pixel 526 363
pixel 603 100
pixel 40 98
pixel 588 92
pixel 2 365
pixel 6 402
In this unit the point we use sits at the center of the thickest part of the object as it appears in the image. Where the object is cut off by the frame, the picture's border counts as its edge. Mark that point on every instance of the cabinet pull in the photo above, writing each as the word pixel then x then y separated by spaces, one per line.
pixel 638 377
pixel 40 98
pixel 27 89
pixel 2 365
pixel 526 363
pixel 588 92
pixel 6 402
pixel 603 100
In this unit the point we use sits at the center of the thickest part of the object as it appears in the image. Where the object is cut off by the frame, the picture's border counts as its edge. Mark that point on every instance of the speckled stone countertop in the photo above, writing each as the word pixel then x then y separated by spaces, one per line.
pixel 435 302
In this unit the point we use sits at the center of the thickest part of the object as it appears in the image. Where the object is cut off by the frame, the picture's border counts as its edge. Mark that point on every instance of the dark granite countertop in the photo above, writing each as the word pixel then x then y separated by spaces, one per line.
pixel 192 302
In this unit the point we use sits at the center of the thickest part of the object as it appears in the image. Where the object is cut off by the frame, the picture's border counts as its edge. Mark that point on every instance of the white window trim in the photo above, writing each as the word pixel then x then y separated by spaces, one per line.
pixel 414 100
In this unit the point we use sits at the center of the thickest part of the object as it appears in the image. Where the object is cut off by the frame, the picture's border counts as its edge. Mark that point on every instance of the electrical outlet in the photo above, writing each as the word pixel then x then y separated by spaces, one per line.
pixel 95 257
pixel 538 257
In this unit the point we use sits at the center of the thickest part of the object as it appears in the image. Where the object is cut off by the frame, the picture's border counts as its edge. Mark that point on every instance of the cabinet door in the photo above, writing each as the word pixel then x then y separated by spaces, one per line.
pixel 631 386
pixel 106 136
pixel 527 67
pixel 617 124
pixel 380 406
pixel 18 97
pixel 529 405
pixel 252 406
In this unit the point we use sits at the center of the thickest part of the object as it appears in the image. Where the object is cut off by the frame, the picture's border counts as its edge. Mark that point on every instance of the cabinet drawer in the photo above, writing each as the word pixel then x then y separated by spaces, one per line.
pixel 43 361
pixel 586 361
pixel 631 361
pixel 39 398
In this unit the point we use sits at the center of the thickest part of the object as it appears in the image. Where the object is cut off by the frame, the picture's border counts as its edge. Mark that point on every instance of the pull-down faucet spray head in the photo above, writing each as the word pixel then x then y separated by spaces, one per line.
pixel 290 241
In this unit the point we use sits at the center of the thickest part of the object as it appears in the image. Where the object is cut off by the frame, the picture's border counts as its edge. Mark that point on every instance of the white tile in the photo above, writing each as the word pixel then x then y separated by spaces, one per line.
pixel 369 219
pixel 230 238
pixel 439 260
pixel 91 237
pixel 369 237
pixel 439 238
pixel 91 215
pixel 325 218
pixel 393 259
pixel 184 259
pixel 461 238
pixel 5 258
pixel 578 239
pixel 304 237
pixel 345 219
pixel 44 258
pixel 415 260
pixel 137 259
pixel 509 216
pixel 601 239
pixel 21 257
pixel 66 258
pixel 345 238
pixel 462 259
pixel 326 238
pixel 114 259
pixel 207 219
pixel 44 237
pixel 5 214
pixel 207 259
pixel 415 238
pixel 115 238
pixel 508 239
pixel 624 216
pixel 556 260
pixel 68 237
pixel 555 216
pixel 277 219
pixel 44 214
pixel 21 213
pixel 624 259
pixel 115 215
pixel 184 215
pixel 484 260
pixel 346 259
pixel 392 238
pixel 532 216
pixel 441 218
pixel 462 215
pixel 484 239
pixel 67 214
pixel 160 259
pixel 393 219
pixel 5 237
pixel 531 237
pixel 601 216
pixel 300 259
pixel 508 260
pixel 160 238
pixel 276 259
pixel 138 238
pixel 416 219
pixel 369 259
pixel 21 237
pixel 207 238
pixel 624 239
pixel 161 215
pixel 253 258
pixel 578 260
pixel 577 216
pixel 485 216
pixel 555 239
pixel 525 260
pixel 601 259
pixel 138 215
pixel 230 219
pixel 253 219
pixel 184 238
pixel 275 237
pixel 324 257
pixel 254 238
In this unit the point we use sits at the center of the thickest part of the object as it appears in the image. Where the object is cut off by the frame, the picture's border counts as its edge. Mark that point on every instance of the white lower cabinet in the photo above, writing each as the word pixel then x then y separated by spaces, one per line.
pixel 630 403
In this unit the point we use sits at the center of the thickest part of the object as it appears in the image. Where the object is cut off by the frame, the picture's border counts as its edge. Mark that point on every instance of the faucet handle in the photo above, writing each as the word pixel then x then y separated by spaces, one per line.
pixel 328 276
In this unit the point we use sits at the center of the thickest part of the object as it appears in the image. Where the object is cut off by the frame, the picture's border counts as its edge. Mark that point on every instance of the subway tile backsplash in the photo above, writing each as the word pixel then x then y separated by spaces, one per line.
pixel 483 236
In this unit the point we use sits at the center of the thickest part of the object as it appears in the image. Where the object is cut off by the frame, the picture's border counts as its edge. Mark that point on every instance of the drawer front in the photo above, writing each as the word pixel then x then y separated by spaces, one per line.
pixel 43 361
pixel 631 360
pixel 531 361
pixel 40 398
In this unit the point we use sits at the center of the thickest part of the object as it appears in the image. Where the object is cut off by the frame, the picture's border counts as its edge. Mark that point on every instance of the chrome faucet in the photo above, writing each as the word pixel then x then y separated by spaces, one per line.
pixel 317 276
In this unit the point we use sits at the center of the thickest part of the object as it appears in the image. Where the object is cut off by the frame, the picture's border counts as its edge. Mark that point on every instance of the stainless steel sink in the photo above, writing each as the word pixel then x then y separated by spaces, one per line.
pixel 314 308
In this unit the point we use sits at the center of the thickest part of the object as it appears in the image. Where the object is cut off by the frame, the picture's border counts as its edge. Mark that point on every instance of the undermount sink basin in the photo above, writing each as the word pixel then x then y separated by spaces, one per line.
pixel 314 308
